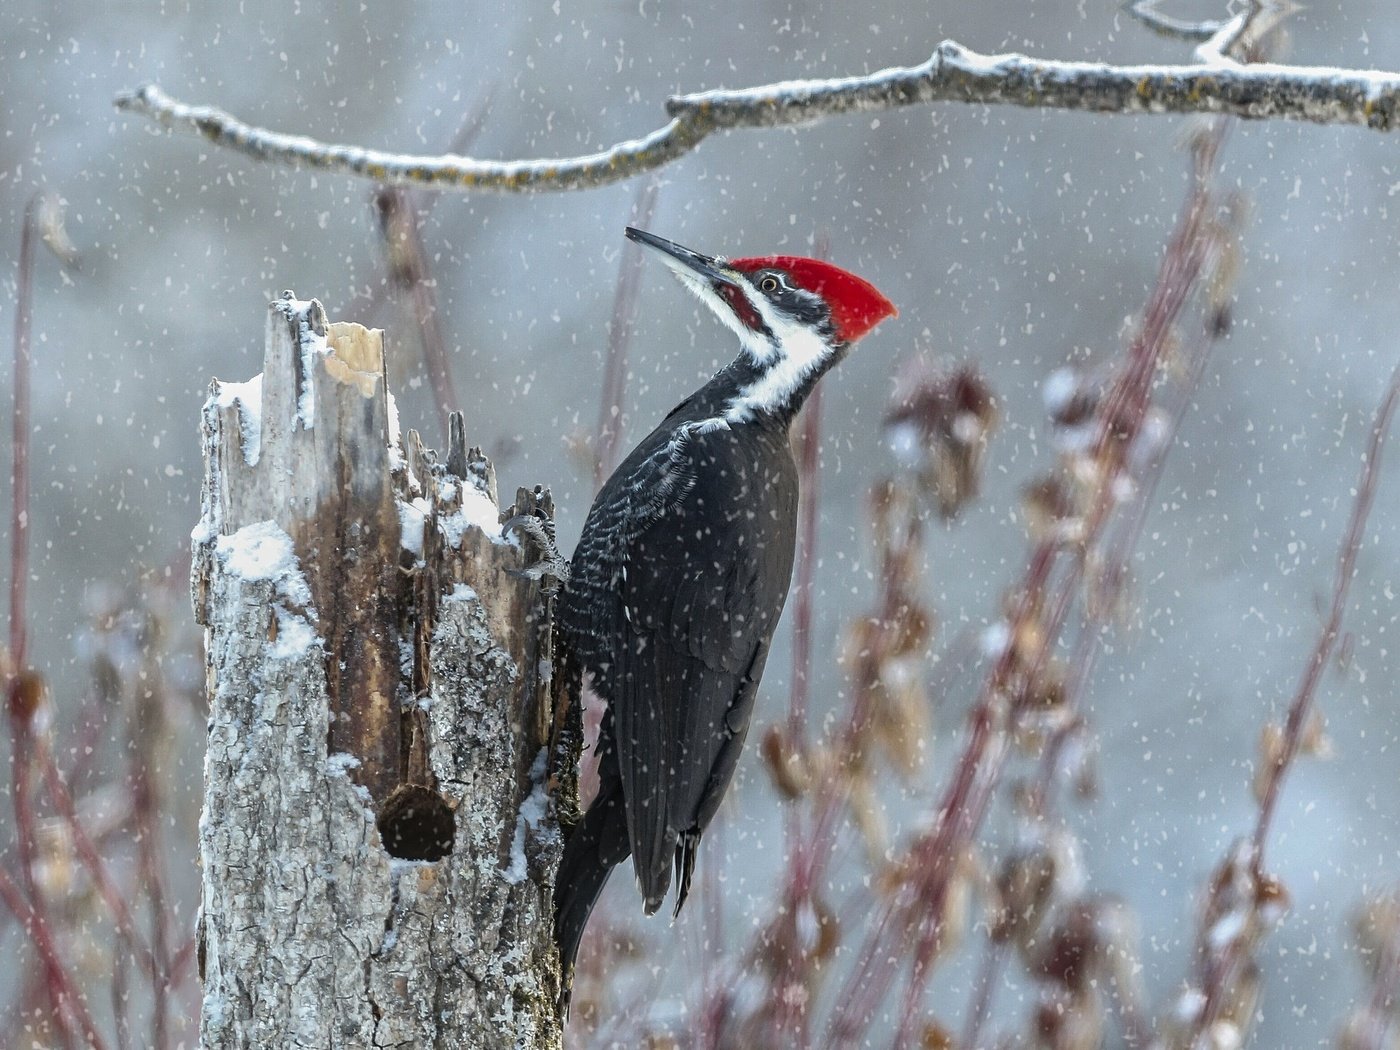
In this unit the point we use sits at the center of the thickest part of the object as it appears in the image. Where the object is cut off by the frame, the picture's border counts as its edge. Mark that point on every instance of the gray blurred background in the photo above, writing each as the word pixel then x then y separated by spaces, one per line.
pixel 1014 237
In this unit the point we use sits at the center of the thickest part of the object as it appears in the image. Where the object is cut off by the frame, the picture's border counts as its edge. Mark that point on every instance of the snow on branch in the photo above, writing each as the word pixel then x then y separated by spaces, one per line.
pixel 1217 83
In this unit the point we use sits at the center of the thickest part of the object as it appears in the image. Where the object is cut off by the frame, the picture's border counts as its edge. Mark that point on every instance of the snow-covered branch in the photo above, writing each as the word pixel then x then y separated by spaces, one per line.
pixel 1215 84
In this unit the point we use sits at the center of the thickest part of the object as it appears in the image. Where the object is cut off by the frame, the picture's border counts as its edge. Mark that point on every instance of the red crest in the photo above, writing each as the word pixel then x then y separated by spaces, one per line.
pixel 856 305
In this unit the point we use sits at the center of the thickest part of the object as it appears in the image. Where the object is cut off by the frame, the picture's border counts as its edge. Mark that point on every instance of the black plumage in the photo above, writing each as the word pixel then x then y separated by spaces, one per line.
pixel 681 574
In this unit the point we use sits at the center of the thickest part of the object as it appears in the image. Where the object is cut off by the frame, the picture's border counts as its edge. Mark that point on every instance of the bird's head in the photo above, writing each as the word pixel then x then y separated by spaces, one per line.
pixel 795 317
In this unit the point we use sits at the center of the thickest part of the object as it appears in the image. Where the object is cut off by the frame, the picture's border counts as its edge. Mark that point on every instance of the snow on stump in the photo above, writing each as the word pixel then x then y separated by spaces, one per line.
pixel 379 837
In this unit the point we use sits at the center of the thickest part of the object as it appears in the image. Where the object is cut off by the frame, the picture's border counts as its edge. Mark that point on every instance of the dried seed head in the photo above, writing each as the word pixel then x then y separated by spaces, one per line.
pixel 900 718
pixel 1242 902
pixel 27 698
pixel 53 232
pixel 937 427
pixel 1068 954
pixel 1224 1035
pixel 1377 926
pixel 934 1036
pixel 1073 1021
pixel 1087 940
pixel 1314 742
pixel 1369 1029
pixel 1271 744
pixel 957 903
pixel 818 930
pixel 868 813
pixel 910 629
pixel 1271 899
pixel 55 863
pixel 1051 512
pixel 1026 886
pixel 1070 397
pixel 785 764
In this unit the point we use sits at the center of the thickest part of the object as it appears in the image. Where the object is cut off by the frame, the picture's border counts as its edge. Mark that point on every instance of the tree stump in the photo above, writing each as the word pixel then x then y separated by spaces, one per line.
pixel 379 834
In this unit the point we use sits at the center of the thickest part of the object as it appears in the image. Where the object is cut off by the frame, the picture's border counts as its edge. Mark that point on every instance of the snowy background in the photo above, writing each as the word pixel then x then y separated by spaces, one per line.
pixel 1014 237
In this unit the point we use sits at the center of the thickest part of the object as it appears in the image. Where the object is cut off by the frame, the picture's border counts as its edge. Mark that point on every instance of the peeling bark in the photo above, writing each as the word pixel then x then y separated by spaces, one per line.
pixel 379 834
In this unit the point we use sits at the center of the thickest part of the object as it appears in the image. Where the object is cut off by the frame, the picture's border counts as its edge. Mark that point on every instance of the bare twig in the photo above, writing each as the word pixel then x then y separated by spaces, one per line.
pixel 24 689
pixel 809 433
pixel 91 859
pixel 400 213
pixel 809 430
pixel 1385 990
pixel 146 806
pixel 1304 699
pixel 1117 550
pixel 1264 91
pixel 410 277
pixel 40 933
pixel 620 328
pixel 19 476
pixel 913 923
pixel 1242 901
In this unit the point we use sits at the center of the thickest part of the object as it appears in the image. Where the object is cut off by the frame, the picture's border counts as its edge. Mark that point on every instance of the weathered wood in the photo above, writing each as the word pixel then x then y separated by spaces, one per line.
pixel 379 836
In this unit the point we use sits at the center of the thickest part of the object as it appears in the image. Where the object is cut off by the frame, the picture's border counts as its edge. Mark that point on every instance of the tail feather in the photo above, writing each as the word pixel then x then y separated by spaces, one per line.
pixel 686 848
pixel 598 844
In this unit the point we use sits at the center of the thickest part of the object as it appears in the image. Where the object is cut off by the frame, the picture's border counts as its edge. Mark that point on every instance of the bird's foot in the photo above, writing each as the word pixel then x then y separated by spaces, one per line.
pixel 552 568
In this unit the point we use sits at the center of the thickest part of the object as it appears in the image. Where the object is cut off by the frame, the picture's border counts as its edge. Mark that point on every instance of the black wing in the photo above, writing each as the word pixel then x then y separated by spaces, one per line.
pixel 689 591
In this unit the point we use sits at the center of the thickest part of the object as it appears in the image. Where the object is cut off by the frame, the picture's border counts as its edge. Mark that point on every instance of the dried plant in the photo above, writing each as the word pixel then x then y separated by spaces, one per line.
pixel 1374 1024
pixel 86 849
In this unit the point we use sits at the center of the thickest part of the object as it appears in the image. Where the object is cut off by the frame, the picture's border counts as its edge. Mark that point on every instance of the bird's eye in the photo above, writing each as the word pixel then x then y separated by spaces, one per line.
pixel 768 284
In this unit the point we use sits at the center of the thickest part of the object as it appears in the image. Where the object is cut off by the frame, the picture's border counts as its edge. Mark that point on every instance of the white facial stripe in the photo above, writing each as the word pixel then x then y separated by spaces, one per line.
pixel 790 363
pixel 789 358
pixel 757 345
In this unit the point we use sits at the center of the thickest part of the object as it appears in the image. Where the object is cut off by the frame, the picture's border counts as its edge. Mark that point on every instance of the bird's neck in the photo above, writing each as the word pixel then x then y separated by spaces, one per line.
pixel 769 392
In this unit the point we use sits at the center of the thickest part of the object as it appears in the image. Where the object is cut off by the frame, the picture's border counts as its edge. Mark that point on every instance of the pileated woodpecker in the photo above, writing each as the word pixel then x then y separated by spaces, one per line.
pixel 682 570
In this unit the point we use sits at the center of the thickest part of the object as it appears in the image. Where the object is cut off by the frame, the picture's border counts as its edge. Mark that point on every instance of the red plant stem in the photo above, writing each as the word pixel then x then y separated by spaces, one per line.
pixel 711 1021
pixel 809 494
pixel 425 312
pixel 183 955
pixel 1304 699
pixel 21 708
pixel 809 500
pixel 1086 652
pixel 401 212
pixel 37 927
pixel 790 1018
pixel 121 997
pixel 968 796
pixel 19 476
pixel 620 328
pixel 26 831
pixel 146 810
pixel 1221 973
pixel 1385 989
pixel 92 860
pixel 1120 422
pixel 994 956
pixel 611 402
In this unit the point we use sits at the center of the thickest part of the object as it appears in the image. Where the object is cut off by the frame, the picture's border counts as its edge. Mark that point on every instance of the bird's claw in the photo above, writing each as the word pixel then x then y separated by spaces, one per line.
pixel 553 567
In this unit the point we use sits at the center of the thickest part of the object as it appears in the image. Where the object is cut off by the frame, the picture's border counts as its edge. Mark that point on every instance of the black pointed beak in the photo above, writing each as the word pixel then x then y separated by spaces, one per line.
pixel 681 259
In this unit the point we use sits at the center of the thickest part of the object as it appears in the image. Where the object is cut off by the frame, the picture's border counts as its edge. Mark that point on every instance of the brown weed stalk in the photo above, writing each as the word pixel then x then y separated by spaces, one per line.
pixel 1243 902
pixel 66 846
pixel 1028 681
pixel 399 214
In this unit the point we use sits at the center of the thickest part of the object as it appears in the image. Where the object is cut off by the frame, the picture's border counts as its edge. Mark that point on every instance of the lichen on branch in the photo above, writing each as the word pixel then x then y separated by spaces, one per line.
pixel 1216 83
